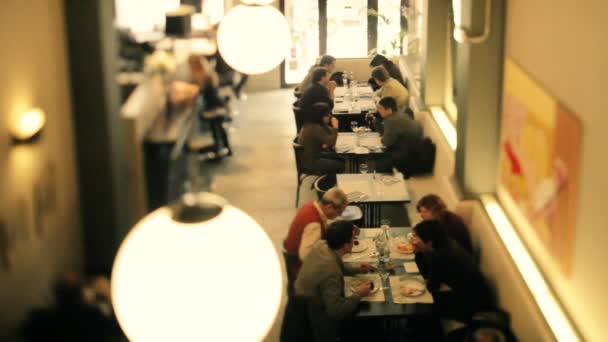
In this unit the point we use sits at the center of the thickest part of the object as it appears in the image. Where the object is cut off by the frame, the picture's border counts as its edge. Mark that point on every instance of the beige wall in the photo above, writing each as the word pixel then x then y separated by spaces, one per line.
pixel 564 45
pixel 34 72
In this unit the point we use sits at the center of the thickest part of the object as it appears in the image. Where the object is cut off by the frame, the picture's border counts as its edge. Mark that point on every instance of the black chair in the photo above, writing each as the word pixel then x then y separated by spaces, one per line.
pixel 290 266
pixel 298 116
pixel 302 174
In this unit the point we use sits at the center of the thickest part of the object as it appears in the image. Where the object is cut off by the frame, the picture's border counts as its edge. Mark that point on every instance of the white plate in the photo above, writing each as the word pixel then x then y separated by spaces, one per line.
pixel 351 213
pixel 358 248
pixel 418 286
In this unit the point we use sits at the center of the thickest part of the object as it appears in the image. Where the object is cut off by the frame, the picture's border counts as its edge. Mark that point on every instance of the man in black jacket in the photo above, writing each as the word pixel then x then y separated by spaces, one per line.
pixel 321 90
pixel 458 287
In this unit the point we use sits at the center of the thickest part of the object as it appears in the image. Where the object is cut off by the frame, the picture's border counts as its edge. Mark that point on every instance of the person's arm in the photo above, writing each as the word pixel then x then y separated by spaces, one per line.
pixel 336 305
pixel 331 87
pixel 390 134
pixel 310 235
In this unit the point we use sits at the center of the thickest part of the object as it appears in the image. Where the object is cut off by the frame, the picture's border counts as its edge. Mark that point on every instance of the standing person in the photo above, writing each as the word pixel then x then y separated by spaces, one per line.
pixel 399 134
pixel 432 207
pixel 392 68
pixel 319 135
pixel 458 287
pixel 321 282
pixel 390 87
pixel 326 61
pixel 321 90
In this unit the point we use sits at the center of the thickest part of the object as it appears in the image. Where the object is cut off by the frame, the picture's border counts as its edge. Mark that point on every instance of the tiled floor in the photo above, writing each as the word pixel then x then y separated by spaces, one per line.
pixel 260 178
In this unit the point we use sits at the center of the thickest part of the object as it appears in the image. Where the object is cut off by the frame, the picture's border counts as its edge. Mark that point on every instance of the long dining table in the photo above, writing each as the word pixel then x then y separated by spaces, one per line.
pixel 351 104
pixel 394 304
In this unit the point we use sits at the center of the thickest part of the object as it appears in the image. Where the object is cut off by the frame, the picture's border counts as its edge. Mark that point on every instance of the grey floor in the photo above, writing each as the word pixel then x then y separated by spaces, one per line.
pixel 260 178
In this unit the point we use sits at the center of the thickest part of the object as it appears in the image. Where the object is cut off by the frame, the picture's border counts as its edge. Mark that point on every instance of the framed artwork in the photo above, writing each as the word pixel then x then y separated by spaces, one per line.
pixel 539 161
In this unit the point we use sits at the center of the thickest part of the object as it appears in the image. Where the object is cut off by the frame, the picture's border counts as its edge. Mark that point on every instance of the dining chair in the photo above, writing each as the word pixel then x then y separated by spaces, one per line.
pixel 298 116
pixel 302 174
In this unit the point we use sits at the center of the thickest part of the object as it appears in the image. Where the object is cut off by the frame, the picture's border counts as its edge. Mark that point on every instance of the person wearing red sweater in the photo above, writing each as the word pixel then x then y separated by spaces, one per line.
pixel 310 223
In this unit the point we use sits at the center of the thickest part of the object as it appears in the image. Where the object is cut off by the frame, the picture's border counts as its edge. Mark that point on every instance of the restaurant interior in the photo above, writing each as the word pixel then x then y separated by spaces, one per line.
pixel 155 167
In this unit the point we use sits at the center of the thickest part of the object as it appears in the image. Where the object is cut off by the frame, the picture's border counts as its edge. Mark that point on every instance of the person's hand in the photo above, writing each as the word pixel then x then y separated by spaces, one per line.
pixel 324 146
pixel 334 122
pixel 364 289
pixel 356 231
pixel 331 85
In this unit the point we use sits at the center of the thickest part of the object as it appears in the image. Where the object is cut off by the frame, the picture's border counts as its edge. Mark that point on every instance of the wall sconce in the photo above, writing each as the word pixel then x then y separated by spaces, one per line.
pixel 461 33
pixel 27 126
pixel 253 38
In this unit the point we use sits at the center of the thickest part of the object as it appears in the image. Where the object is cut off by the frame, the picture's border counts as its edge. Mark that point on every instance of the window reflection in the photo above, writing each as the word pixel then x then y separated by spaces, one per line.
pixel 303 18
pixel 347 28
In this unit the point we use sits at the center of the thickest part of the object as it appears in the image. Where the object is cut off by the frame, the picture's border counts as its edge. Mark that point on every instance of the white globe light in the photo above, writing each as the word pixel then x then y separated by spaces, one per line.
pixel 253 39
pixel 214 280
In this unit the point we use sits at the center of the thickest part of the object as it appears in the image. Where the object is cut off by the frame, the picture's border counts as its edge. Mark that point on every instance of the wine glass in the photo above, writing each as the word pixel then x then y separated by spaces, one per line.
pixel 363 168
pixel 354 125
pixel 383 271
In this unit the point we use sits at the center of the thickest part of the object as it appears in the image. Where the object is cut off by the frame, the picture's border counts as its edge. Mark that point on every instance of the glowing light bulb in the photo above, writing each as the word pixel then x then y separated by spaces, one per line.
pixel 175 281
pixel 28 124
pixel 253 39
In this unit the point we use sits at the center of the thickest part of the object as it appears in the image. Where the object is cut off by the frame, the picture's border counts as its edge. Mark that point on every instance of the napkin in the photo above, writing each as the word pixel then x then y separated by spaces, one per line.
pixel 356 196
pixel 411 267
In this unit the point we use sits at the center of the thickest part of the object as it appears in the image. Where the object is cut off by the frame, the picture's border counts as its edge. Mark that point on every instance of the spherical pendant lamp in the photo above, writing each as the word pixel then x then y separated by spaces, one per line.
pixel 201 270
pixel 253 39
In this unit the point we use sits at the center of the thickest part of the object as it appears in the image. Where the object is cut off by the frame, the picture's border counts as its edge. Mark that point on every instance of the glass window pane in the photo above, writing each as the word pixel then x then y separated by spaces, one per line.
pixel 347 28
pixel 389 27
pixel 303 18
pixel 143 16
pixel 214 10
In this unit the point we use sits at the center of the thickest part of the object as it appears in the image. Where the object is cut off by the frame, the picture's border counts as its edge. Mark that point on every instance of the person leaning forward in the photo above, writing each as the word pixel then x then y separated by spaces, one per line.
pixel 310 224
pixel 321 282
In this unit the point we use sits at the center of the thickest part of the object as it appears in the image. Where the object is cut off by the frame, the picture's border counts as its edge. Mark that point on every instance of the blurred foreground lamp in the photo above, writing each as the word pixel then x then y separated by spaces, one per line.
pixel 200 270
pixel 253 38
pixel 27 126
pixel 461 34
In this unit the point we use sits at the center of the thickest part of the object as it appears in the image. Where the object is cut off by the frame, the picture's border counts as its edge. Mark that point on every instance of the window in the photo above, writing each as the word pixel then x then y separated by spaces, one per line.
pixel 341 28
pixel 347 28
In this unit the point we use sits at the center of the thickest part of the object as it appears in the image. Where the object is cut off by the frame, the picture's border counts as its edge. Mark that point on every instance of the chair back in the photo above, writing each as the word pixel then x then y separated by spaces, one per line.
pixel 322 184
pixel 298 116
pixel 291 262
pixel 297 153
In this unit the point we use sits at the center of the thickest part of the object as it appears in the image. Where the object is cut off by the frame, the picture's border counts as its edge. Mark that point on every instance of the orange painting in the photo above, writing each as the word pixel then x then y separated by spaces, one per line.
pixel 540 144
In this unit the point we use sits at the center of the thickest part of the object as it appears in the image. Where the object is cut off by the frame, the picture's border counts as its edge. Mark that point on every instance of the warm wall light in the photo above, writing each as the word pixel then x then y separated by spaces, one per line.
pixel 201 270
pixel 28 125
pixel 446 127
pixel 461 34
pixel 552 311
pixel 253 39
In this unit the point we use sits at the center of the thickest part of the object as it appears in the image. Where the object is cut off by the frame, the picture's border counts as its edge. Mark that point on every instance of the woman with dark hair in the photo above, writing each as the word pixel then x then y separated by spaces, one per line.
pixel 458 287
pixel 319 135
pixel 432 207
pixel 392 68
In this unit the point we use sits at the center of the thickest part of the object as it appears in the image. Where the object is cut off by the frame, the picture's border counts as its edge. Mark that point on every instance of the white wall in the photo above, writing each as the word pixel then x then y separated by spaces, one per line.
pixel 563 45
pixel 34 72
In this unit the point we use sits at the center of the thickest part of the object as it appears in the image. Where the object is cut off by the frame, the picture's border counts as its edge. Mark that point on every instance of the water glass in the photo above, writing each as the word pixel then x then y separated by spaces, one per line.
pixel 363 168
pixel 354 125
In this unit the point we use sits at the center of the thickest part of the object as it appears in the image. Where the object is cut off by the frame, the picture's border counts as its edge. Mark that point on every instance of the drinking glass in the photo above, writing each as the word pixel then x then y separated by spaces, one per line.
pixel 383 271
pixel 354 125
pixel 363 168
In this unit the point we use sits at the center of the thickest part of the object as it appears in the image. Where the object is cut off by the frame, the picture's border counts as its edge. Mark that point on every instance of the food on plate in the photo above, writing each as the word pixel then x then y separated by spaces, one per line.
pixel 356 242
pixel 371 286
pixel 405 247
pixel 407 291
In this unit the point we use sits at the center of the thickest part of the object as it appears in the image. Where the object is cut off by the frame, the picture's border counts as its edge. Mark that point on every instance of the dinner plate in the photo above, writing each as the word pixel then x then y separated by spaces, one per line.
pixel 358 248
pixel 356 283
pixel 417 286
pixel 351 213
